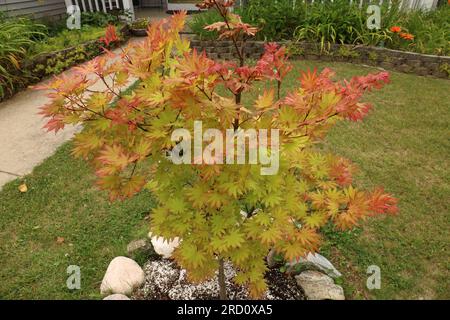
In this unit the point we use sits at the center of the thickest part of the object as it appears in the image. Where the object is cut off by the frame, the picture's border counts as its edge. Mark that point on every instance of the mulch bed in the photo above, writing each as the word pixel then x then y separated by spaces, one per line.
pixel 164 280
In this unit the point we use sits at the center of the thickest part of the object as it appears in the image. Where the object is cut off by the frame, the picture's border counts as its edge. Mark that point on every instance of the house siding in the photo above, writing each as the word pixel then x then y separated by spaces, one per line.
pixel 34 8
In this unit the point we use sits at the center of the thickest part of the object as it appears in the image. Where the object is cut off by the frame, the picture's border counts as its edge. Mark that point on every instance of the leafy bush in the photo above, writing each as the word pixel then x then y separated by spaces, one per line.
pixel 141 23
pixel 21 39
pixel 277 20
pixel 198 22
pixel 98 19
pixel 66 38
pixel 16 36
pixel 55 64
pixel 59 37
pixel 220 211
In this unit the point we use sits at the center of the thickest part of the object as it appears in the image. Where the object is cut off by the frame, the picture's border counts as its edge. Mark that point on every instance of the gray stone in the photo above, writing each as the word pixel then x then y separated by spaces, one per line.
pixel 122 276
pixel 404 68
pixel 271 259
pixel 386 65
pixel 116 296
pixel 315 261
pixel 136 245
pixel 422 71
pixel 318 286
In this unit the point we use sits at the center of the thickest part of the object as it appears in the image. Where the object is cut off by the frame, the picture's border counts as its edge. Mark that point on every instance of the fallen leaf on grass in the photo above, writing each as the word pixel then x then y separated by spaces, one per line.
pixel 23 188
pixel 60 239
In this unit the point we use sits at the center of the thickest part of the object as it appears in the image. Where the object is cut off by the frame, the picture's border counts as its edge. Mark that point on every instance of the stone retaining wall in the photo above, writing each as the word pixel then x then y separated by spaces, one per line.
pixel 406 62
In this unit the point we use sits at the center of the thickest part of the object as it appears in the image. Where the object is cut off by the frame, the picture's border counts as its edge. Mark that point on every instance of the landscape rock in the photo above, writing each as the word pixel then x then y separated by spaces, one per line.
pixel 318 286
pixel 116 296
pixel 122 276
pixel 136 245
pixel 162 246
pixel 315 261
pixel 271 259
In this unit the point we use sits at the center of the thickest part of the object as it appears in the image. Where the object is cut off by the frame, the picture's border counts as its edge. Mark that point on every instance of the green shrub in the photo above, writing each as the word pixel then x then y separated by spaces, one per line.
pixel 67 38
pixel 200 20
pixel 22 39
pixel 277 20
pixel 141 23
pixel 98 19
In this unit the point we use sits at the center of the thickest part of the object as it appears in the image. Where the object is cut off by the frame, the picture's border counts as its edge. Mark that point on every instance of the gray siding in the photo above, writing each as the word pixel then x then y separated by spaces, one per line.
pixel 34 8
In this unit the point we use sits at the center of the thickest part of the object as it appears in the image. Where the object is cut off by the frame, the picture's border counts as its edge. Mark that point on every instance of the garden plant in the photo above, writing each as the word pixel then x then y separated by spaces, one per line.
pixel 341 22
pixel 23 40
pixel 221 212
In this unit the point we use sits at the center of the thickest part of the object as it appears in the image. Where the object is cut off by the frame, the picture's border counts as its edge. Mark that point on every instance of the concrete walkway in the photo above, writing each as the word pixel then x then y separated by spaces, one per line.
pixel 23 142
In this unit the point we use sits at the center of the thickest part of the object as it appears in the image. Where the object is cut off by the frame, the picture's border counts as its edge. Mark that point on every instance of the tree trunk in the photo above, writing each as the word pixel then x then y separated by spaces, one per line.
pixel 222 285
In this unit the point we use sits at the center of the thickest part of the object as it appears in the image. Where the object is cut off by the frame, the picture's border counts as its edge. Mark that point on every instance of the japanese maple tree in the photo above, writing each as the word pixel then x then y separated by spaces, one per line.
pixel 221 212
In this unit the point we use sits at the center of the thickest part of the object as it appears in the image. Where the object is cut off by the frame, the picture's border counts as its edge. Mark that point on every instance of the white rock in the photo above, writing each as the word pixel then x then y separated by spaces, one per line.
pixel 318 261
pixel 162 246
pixel 318 286
pixel 122 276
pixel 244 214
pixel 116 296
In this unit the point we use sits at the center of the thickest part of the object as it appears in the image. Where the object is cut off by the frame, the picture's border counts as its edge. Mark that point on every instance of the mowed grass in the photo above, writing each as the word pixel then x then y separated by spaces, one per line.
pixel 403 145
pixel 62 201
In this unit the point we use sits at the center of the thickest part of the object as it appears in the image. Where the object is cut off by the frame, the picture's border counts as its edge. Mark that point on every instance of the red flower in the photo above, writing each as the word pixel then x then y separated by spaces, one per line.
pixel 396 29
pixel 406 36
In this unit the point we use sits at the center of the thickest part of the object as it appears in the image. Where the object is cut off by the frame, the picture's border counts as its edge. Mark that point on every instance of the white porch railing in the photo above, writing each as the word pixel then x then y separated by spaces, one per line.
pixel 105 6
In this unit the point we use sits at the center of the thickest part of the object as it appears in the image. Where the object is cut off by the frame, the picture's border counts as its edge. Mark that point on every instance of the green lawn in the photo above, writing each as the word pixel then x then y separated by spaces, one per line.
pixel 403 145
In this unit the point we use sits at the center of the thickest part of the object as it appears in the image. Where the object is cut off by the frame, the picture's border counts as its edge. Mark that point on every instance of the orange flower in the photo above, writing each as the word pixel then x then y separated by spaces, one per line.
pixel 396 29
pixel 406 36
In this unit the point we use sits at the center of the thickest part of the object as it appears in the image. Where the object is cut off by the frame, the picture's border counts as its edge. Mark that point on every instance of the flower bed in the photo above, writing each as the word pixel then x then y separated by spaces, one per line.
pixel 46 64
pixel 340 21
pixel 407 62
pixel 31 50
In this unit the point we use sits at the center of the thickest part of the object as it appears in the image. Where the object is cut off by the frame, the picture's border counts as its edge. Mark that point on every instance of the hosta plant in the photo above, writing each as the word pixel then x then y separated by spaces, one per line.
pixel 222 212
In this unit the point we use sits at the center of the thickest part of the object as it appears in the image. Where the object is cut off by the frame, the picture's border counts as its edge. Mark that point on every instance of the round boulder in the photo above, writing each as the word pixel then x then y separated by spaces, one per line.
pixel 122 276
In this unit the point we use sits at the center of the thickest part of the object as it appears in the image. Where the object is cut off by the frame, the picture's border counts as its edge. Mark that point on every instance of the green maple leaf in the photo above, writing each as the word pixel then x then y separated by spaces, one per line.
pixel 192 255
pixel 218 224
pixel 271 235
pixel 272 199
pixel 315 220
pixel 234 239
pixel 240 255
pixel 176 205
